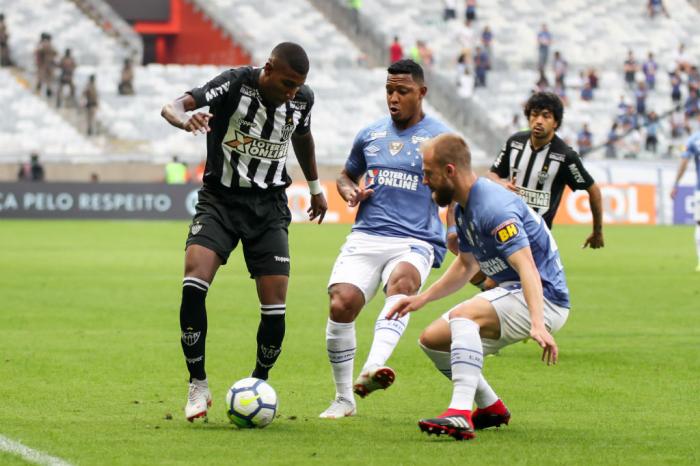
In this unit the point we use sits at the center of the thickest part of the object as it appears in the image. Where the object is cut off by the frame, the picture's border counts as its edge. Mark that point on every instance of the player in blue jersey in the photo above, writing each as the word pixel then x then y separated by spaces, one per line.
pixel 692 150
pixel 501 235
pixel 397 236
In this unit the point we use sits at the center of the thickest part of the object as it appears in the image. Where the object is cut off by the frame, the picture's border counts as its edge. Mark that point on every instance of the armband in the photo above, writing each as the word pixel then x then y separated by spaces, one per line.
pixel 452 229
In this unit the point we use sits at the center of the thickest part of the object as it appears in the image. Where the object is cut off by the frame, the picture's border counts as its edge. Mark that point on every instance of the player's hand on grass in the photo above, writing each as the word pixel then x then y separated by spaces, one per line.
pixel 198 122
pixel 405 305
pixel 318 208
pixel 595 240
pixel 550 352
pixel 358 195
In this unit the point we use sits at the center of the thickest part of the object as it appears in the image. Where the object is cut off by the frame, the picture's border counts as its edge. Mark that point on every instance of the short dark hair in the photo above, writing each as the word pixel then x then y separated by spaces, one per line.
pixel 407 66
pixel 292 54
pixel 545 101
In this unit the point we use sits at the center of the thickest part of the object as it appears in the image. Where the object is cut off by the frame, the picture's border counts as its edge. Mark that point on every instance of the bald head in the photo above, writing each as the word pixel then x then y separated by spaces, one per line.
pixel 293 55
pixel 450 148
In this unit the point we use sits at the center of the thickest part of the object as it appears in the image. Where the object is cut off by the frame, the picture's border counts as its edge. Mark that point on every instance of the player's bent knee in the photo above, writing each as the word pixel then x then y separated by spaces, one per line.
pixel 345 303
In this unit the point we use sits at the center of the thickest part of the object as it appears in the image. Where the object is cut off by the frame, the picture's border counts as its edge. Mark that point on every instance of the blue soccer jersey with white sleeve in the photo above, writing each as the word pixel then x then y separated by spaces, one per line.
pixel 497 223
pixel 692 150
pixel 401 205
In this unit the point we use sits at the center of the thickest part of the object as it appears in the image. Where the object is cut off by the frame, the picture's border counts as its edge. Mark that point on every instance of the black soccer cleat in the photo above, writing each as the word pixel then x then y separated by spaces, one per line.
pixel 458 427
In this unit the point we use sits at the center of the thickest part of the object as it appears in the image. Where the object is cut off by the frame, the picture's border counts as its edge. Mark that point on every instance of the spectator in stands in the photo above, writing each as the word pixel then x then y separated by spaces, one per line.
pixel 649 68
pixel 395 50
pixel 544 41
pixel 470 11
pixel 652 130
pixel 175 172
pixel 584 140
pixel 680 59
pixel 560 91
pixel 676 83
pixel 449 11
pixel 640 97
pixel 612 142
pixel 677 120
pixel 486 41
pixel 4 43
pixel 94 177
pixel 630 69
pixel 465 39
pixel 67 67
pixel 425 53
pixel 560 69
pixel 542 84
pixel 481 67
pixel 622 108
pixel 654 7
pixel 126 81
pixel 691 107
pixel 355 6
pixel 632 144
pixel 586 91
pixel 593 78
pixel 693 79
pixel 90 102
pixel 45 60
pixel 31 171
pixel 462 68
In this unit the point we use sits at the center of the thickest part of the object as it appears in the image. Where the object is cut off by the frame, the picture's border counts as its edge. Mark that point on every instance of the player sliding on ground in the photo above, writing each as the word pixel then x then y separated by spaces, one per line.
pixel 501 235
pixel 396 239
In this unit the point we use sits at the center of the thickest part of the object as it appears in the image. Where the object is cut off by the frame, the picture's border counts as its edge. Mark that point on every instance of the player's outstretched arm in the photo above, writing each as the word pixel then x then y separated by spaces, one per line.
pixel 595 240
pixel 350 189
pixel 681 169
pixel 175 114
pixel 455 277
pixel 523 263
pixel 305 150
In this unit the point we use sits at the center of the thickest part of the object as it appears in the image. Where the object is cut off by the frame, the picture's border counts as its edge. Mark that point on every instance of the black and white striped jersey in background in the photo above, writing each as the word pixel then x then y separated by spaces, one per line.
pixel 248 143
pixel 541 175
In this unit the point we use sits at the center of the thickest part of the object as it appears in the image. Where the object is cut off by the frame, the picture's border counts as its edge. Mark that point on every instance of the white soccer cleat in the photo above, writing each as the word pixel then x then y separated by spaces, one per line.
pixel 339 408
pixel 198 400
pixel 374 379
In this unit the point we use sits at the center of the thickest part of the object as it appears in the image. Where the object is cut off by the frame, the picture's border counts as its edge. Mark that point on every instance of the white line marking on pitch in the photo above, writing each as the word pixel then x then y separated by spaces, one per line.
pixel 29 454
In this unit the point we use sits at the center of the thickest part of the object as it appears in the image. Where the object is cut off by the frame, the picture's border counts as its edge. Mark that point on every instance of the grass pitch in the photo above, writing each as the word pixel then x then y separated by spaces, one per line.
pixel 91 369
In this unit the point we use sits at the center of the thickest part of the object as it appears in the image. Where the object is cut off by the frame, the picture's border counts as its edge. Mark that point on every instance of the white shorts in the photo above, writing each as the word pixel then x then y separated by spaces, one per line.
pixel 365 259
pixel 696 217
pixel 514 316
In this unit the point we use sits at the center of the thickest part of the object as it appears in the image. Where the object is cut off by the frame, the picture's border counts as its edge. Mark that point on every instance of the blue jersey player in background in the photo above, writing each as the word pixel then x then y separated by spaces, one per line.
pixel 396 239
pixel 499 234
pixel 692 150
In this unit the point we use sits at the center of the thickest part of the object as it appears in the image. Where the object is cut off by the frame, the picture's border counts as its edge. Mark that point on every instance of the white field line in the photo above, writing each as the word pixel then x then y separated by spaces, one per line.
pixel 29 454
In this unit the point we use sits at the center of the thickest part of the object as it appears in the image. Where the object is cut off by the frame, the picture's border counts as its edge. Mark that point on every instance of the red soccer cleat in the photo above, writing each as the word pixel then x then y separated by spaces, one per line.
pixel 453 422
pixel 491 416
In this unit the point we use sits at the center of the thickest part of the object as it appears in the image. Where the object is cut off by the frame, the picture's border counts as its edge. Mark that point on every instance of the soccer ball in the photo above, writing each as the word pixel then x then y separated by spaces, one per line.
pixel 250 403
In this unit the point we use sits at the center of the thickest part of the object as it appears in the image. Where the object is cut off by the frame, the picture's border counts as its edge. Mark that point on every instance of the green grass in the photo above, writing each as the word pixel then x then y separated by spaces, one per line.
pixel 91 366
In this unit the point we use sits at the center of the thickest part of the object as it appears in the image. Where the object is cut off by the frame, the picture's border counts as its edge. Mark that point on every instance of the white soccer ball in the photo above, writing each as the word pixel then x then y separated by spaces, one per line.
pixel 250 403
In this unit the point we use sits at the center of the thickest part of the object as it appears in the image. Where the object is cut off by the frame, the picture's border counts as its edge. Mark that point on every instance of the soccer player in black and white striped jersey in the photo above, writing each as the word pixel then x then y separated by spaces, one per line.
pixel 537 164
pixel 253 115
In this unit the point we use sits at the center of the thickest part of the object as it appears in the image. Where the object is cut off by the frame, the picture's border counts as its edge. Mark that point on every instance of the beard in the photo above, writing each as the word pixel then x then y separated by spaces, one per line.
pixel 443 196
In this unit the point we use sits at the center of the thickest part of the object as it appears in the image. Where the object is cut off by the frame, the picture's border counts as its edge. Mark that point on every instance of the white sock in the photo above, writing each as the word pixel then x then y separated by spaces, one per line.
pixel 485 396
pixel 386 334
pixel 697 241
pixel 340 343
pixel 441 359
pixel 467 361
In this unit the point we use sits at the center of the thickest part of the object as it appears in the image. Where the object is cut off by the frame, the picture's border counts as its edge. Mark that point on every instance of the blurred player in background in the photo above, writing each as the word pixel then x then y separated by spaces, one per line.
pixel 692 149
pixel 537 164
pixel 397 236
pixel 253 114
pixel 501 235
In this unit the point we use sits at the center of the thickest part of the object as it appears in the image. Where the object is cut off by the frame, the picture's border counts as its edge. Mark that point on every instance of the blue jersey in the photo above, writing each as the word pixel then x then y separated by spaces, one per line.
pixel 496 223
pixel 401 205
pixel 692 149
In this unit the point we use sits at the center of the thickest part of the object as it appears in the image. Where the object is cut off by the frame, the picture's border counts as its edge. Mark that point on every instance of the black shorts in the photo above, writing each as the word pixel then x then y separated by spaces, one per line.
pixel 260 220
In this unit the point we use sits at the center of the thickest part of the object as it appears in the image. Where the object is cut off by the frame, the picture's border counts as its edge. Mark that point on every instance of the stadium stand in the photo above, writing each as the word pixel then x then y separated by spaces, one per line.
pixel 29 124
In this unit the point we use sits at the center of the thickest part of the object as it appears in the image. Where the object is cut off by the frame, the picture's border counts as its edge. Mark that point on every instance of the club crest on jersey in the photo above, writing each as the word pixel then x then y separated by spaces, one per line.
pixel 395 147
pixel 196 228
pixel 542 177
pixel 287 131
pixel 507 232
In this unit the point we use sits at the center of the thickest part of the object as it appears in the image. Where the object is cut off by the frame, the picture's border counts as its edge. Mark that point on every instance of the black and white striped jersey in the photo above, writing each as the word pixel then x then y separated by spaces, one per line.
pixel 541 175
pixel 248 143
